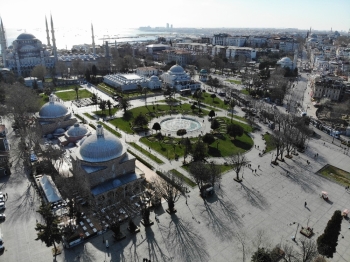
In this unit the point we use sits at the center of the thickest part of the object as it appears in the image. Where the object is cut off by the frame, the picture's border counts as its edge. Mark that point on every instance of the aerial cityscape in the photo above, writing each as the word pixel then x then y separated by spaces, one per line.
pixel 221 136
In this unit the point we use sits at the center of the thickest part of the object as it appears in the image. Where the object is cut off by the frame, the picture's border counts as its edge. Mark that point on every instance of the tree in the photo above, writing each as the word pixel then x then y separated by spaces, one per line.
pixel 94 70
pixel 261 255
pixel 198 95
pixel 232 104
pixel 199 173
pixel 278 141
pixel 62 68
pixel 170 189
pixel 76 89
pixel 39 71
pixel 156 126
pixel 237 161
pixel 87 75
pixel 234 130
pixel 215 124
pixel 102 106
pixel 213 96
pixel 49 232
pixel 124 103
pixel 141 120
pixel 187 147
pixel 109 105
pixel 327 242
pixel 211 114
pixel 145 90
pixel 200 150
pixel 139 89
pixel 208 138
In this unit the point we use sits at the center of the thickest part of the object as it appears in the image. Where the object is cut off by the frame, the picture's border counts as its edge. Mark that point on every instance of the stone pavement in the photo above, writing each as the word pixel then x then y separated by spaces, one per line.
pixel 272 199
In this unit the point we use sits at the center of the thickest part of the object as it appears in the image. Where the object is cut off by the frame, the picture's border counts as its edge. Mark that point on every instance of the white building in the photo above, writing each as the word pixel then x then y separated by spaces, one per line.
pixel 128 82
pixel 326 87
pixel 146 71
pixel 177 78
pixel 28 81
pixel 248 52
pixel 236 41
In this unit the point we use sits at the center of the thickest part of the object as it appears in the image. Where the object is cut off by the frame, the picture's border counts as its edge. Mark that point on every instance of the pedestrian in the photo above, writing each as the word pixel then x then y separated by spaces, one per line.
pixel 305 204
pixel 7 196
pixel 255 170
pixel 186 202
pixel 258 147
pixel 258 166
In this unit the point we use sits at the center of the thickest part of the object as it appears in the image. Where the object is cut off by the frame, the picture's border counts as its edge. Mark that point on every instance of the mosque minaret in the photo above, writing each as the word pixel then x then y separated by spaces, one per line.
pixel 53 40
pixel 3 43
pixel 47 33
pixel 93 39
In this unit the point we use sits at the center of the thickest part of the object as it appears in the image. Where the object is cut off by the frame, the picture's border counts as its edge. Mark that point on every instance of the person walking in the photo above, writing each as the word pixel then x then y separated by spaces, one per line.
pixel 186 202
pixel 305 204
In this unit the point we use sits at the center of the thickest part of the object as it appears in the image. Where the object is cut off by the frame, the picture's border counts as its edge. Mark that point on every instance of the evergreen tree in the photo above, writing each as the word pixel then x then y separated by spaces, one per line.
pixel 327 242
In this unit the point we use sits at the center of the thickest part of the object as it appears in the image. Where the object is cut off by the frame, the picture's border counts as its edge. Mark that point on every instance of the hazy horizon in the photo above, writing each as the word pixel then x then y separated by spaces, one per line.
pixel 248 14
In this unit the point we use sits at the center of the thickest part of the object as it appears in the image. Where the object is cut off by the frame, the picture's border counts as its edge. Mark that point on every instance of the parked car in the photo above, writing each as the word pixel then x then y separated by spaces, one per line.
pixel 2 205
pixel 33 158
pixel 2 217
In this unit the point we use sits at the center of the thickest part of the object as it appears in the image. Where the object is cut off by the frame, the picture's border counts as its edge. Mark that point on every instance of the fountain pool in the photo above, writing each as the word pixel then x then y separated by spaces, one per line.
pixel 172 124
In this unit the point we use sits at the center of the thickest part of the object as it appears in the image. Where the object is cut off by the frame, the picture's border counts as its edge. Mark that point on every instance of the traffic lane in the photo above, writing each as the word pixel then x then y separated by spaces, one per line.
pixel 327 138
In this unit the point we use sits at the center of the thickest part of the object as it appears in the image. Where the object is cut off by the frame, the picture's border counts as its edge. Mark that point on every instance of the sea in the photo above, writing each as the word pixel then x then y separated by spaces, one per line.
pixel 67 37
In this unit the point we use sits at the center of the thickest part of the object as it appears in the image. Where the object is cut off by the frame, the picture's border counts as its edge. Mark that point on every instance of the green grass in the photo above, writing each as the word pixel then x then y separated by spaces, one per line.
pixel 245 91
pixel 184 178
pixel 226 146
pixel 43 99
pixel 237 117
pixel 70 87
pixel 141 160
pixel 216 102
pixel 114 132
pixel 223 168
pixel 336 174
pixel 124 123
pixel 106 88
pixel 237 82
pixel 269 144
pixel 106 112
pixel 89 116
pixel 147 153
pixel 71 95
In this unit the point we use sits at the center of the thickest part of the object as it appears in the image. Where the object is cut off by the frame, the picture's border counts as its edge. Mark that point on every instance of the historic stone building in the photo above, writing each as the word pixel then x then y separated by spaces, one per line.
pixel 54 117
pixel 178 78
pixel 103 160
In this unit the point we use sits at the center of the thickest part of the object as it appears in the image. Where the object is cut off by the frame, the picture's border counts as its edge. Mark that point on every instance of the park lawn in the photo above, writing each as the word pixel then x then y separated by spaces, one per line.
pixel 125 122
pixel 216 102
pixel 147 153
pixel 43 99
pixel 70 87
pixel 237 82
pixel 237 117
pixel 223 168
pixel 245 91
pixel 187 180
pixel 71 95
pixel 336 174
pixel 246 127
pixel 89 116
pixel 165 149
pixel 106 112
pixel 269 144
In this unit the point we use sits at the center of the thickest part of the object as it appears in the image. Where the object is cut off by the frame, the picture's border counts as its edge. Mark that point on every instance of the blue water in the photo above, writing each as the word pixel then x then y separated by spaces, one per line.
pixel 67 37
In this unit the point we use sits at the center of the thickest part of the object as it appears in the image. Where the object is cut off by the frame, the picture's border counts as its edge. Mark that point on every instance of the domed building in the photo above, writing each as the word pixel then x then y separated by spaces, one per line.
pixel 27 52
pixel 54 117
pixel 73 134
pixel 103 160
pixel 176 77
pixel 287 62
pixel 203 75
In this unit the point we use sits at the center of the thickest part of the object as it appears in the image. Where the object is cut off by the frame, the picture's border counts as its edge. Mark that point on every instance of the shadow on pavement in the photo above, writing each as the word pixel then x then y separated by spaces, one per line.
pixel 184 242
pixel 254 197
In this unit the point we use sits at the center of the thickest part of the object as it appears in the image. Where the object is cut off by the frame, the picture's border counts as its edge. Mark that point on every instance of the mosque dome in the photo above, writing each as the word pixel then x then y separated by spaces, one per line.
pixel 154 78
pixel 286 60
pixel 176 69
pixel 77 130
pixel 53 109
pixel 25 36
pixel 100 147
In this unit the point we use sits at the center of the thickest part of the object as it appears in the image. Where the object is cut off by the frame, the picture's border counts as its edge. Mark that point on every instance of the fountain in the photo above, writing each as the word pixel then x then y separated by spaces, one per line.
pixel 172 124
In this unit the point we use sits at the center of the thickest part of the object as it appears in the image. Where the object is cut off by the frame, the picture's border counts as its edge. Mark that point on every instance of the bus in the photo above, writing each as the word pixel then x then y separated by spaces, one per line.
pixel 185 92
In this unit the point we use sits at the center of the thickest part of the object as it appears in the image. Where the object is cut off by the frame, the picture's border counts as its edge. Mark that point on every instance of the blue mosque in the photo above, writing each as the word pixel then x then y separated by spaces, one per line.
pixel 27 51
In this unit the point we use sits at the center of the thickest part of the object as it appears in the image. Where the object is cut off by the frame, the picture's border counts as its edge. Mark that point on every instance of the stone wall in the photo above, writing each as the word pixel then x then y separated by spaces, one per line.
pixel 60 122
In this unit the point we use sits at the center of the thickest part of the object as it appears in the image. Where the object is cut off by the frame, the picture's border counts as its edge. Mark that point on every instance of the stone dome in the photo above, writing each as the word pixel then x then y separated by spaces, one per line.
pixel 100 147
pixel 176 69
pixel 154 78
pixel 286 60
pixel 25 36
pixel 77 130
pixel 53 109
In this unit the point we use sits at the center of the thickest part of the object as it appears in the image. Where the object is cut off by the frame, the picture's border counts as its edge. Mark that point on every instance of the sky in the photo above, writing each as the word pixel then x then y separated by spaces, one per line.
pixel 302 14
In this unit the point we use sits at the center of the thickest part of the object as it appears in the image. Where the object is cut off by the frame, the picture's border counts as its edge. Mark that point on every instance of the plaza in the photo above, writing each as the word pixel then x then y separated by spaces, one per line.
pixel 270 199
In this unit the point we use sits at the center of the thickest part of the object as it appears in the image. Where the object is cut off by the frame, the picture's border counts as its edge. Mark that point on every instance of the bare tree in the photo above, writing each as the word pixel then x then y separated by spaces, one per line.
pixel 279 142
pixel 170 189
pixel 237 161
pixel 39 71
pixel 199 174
